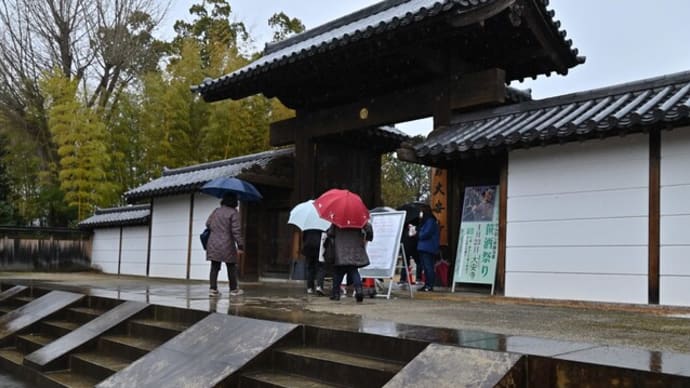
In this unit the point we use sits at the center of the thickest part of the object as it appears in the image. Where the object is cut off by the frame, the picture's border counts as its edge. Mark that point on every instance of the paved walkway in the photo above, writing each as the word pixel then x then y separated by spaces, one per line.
pixel 637 336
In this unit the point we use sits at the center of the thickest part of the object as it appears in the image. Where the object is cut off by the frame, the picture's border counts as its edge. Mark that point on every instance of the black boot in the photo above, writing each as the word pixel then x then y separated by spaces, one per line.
pixel 335 295
pixel 359 294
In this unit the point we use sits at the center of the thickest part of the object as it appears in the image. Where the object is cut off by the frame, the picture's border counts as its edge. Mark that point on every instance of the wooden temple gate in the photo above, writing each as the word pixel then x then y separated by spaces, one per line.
pixel 392 62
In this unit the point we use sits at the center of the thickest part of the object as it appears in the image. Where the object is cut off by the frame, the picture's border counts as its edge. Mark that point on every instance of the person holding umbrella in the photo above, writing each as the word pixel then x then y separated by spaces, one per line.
pixel 306 218
pixel 350 231
pixel 225 243
pixel 428 242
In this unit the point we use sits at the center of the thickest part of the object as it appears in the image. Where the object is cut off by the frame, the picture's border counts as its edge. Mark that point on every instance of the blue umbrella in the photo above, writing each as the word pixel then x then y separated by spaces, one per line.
pixel 244 190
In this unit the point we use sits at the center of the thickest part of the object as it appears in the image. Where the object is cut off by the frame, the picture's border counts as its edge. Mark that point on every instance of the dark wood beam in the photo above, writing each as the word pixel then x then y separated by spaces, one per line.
pixel 479 14
pixel 499 286
pixel 267 180
pixel 538 26
pixel 486 87
pixel 653 243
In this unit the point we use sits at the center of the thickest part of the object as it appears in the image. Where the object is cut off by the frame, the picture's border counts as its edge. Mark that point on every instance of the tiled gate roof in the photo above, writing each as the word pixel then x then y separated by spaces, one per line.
pixel 630 107
pixel 188 179
pixel 118 216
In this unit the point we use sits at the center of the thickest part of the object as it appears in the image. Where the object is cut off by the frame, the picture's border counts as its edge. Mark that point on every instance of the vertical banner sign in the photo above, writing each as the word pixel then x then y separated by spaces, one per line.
pixel 439 201
pixel 478 242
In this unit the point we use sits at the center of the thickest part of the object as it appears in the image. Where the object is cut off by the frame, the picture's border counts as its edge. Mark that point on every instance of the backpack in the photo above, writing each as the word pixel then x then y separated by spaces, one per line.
pixel 204 237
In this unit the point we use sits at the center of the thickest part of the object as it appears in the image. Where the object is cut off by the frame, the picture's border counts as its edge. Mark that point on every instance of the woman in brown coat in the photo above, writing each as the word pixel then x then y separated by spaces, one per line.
pixel 225 243
pixel 350 254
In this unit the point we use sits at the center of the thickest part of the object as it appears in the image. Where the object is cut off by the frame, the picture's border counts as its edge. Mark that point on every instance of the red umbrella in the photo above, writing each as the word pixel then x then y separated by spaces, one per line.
pixel 343 208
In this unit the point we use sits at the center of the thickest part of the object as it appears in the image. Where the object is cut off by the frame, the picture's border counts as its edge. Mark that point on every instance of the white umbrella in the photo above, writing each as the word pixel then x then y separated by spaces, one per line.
pixel 305 217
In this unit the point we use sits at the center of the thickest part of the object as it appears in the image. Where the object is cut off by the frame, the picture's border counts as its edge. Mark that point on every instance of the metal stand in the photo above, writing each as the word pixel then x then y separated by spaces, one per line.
pixel 405 265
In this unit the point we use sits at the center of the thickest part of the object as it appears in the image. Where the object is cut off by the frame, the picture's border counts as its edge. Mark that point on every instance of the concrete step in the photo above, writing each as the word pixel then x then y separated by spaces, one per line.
pixel 97 365
pixel 82 314
pixel 127 346
pixel 271 379
pixel 17 301
pixel 28 343
pixel 58 328
pixel 336 367
pixel 151 328
pixel 12 355
pixel 370 345
pixel 68 379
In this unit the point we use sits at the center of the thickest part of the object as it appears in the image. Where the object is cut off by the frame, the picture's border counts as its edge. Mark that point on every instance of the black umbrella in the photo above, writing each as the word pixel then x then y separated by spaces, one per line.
pixel 412 210
pixel 244 190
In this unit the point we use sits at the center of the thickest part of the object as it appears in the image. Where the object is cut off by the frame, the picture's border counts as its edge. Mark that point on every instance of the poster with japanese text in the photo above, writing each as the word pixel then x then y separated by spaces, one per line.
pixel 478 242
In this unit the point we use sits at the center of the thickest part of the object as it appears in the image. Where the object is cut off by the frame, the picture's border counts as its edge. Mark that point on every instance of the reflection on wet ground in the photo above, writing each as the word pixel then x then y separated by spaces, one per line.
pixel 7 381
pixel 289 304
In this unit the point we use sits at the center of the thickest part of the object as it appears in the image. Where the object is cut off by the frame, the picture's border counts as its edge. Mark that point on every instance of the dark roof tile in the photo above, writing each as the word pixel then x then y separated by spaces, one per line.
pixel 191 178
pixel 618 109
pixel 118 216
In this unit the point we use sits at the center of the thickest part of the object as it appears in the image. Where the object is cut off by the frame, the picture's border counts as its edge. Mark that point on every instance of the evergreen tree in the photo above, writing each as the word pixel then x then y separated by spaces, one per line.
pixel 402 182
pixel 80 137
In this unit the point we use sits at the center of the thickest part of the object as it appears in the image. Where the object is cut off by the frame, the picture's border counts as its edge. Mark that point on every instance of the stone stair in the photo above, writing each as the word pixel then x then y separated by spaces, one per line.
pixel 329 358
pixel 120 347
pixel 98 359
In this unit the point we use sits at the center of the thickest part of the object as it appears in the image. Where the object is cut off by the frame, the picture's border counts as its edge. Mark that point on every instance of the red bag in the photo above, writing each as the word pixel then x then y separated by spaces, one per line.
pixel 441 270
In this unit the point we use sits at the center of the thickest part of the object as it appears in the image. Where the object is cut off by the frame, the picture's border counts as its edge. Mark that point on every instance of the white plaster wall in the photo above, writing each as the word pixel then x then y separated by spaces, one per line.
pixel 674 271
pixel 134 245
pixel 169 236
pixel 577 221
pixel 199 267
pixel 104 254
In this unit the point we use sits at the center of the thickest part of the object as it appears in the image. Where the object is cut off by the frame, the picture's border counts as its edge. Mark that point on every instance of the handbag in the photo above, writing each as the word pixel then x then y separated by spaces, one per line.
pixel 329 250
pixel 204 237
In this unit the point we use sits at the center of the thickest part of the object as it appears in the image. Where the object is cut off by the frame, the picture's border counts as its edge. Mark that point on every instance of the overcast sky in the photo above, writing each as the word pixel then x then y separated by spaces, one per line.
pixel 623 40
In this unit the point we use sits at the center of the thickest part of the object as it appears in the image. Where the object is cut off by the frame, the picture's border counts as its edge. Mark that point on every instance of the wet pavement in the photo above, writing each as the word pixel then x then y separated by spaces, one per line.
pixel 640 337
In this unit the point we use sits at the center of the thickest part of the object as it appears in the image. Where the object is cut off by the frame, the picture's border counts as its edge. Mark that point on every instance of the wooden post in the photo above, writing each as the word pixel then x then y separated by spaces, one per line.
pixel 189 234
pixel 119 254
pixel 502 228
pixel 148 246
pixel 439 200
pixel 653 243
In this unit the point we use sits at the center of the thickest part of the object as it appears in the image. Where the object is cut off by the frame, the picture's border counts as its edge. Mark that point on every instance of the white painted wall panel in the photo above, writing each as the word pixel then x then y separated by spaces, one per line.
pixel 564 206
pixel 596 165
pixel 169 236
pixel 585 232
pixel 588 287
pixel 105 251
pixel 203 206
pixel 675 200
pixel 675 217
pixel 675 290
pixel 134 250
pixel 676 260
pixel 675 229
pixel 577 224
pixel 606 259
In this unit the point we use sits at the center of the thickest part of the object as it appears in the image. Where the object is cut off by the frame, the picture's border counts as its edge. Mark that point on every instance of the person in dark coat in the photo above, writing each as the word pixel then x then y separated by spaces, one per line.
pixel 350 254
pixel 409 242
pixel 224 244
pixel 311 245
pixel 428 242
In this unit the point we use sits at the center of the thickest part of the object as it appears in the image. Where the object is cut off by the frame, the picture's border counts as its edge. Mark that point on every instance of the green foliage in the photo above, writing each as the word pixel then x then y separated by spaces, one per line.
pixel 6 207
pixel 284 26
pixel 402 182
pixel 121 110
pixel 80 137
pixel 211 29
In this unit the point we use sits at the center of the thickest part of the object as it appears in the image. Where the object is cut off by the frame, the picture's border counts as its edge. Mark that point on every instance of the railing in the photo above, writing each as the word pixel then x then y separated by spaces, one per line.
pixel 44 249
